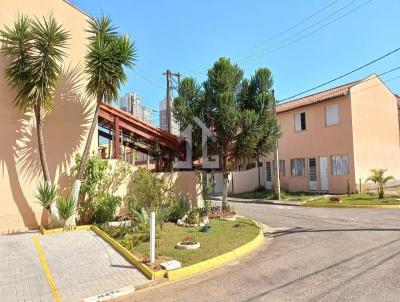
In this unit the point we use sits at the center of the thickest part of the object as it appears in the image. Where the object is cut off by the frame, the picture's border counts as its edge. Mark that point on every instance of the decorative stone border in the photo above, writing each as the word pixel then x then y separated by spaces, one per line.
pixel 182 246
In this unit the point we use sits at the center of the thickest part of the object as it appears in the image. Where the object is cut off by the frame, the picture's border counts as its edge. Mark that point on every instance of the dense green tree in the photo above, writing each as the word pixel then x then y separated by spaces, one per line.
pixel 35 49
pixel 108 53
pixel 239 113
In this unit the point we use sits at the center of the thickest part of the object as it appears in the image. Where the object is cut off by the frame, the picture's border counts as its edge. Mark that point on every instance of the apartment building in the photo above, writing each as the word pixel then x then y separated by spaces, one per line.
pixel 330 140
pixel 131 103
pixel 163 119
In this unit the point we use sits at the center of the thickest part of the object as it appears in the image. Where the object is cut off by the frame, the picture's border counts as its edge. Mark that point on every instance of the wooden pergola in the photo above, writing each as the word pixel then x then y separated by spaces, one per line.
pixel 127 130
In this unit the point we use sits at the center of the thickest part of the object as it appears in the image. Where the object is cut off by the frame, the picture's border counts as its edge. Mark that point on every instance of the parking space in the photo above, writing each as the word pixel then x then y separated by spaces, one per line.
pixel 80 263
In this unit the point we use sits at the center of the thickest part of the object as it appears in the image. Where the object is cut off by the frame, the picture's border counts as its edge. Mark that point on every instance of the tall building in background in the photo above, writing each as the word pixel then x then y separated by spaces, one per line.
pixel 131 103
pixel 164 121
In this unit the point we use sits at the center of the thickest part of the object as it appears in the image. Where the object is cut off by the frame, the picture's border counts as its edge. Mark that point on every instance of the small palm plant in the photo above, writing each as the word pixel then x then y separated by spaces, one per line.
pixel 377 176
pixel 46 195
pixel 66 208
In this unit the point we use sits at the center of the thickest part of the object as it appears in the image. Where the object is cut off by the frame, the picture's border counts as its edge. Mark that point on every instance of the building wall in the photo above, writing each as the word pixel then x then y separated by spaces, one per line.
pixel 65 128
pixel 375 129
pixel 316 141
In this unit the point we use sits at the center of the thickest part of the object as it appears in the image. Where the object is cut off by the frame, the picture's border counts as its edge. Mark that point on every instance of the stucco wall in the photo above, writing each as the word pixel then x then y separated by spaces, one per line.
pixel 375 128
pixel 316 141
pixel 65 128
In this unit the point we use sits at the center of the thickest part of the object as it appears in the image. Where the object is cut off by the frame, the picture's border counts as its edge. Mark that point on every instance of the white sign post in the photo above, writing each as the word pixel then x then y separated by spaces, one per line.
pixel 152 237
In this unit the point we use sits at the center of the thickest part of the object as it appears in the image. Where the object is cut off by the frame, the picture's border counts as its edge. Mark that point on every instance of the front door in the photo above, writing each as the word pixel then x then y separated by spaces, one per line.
pixel 323 173
pixel 312 169
pixel 268 173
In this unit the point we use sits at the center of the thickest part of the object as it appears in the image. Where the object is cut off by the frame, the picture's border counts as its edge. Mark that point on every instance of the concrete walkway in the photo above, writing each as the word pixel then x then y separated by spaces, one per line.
pixel 81 264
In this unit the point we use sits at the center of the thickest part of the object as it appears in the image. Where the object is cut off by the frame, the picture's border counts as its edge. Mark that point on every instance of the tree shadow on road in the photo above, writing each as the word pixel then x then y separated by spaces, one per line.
pixel 297 230
pixel 334 265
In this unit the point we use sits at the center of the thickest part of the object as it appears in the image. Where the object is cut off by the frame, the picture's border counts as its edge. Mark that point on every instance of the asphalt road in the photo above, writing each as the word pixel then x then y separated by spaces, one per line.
pixel 311 255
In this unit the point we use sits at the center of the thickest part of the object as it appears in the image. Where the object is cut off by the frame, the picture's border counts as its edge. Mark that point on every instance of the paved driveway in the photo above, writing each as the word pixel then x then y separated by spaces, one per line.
pixel 80 263
pixel 313 255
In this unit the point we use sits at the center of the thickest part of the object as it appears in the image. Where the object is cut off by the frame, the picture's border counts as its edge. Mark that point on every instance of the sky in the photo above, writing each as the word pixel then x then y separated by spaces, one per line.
pixel 303 43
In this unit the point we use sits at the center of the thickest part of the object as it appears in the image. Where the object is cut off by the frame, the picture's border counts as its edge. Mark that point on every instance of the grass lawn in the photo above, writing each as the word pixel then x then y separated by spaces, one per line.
pixel 224 238
pixel 269 195
pixel 358 199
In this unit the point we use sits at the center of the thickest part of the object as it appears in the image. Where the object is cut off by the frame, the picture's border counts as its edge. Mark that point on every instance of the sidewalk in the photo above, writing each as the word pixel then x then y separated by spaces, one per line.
pixel 260 201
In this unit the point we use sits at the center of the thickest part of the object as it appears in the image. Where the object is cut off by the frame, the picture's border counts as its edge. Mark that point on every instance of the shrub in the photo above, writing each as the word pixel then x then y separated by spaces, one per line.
pixel 181 208
pixel 335 198
pixel 46 195
pixel 193 217
pixel 149 191
pixel 106 207
pixel 141 221
pixel 66 208
pixel 99 179
pixel 206 209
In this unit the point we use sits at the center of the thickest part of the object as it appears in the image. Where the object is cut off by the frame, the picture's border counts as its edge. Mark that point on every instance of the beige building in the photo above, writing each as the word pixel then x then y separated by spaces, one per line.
pixel 330 140
pixel 65 128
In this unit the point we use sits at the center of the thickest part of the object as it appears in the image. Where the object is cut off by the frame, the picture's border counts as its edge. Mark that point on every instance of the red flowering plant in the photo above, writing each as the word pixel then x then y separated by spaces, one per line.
pixel 335 198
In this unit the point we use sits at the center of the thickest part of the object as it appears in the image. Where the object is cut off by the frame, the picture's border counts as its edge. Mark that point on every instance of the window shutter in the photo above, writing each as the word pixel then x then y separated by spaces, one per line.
pixel 297 122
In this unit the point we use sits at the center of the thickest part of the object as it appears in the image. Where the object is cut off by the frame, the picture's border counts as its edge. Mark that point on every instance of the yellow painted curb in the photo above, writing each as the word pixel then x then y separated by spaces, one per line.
pixel 44 231
pixel 46 270
pixel 364 206
pixel 129 256
pixel 219 260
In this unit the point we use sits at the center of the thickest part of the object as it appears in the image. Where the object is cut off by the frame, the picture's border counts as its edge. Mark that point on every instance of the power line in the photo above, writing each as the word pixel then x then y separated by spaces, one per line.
pixel 198 70
pixel 144 77
pixel 342 76
pixel 279 45
pixel 287 30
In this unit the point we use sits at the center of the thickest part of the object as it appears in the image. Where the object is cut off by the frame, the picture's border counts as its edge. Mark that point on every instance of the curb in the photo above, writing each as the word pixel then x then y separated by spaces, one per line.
pixel 218 260
pixel 44 231
pixel 129 256
pixel 362 206
pixel 261 201
pixel 174 275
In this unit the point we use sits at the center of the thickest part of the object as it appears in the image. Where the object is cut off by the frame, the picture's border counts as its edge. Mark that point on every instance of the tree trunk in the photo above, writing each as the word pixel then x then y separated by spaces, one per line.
pixel 259 177
pixel 42 151
pixel 225 190
pixel 78 180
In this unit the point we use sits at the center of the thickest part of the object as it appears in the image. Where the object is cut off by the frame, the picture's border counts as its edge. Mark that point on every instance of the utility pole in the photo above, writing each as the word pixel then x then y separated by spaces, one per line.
pixel 170 76
pixel 276 158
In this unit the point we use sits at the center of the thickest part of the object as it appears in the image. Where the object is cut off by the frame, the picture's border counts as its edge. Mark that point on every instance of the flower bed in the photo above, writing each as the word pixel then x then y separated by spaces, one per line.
pixel 224 237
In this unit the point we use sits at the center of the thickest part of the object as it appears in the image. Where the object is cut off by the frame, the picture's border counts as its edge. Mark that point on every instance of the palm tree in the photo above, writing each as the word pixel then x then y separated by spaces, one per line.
pixel 35 50
pixel 108 53
pixel 377 176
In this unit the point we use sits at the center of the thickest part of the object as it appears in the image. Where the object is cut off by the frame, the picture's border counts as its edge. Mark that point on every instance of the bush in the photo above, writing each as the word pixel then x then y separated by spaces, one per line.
pixel 335 198
pixel 46 195
pixel 149 191
pixel 66 208
pixel 193 217
pixel 206 209
pixel 181 208
pixel 106 207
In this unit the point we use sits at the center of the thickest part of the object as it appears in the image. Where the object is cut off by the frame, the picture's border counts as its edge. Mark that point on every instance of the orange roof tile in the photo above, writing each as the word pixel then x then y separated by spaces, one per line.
pixel 316 98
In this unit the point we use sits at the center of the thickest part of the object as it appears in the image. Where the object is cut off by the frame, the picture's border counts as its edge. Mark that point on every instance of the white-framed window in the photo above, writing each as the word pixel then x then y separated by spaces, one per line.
pixel 282 170
pixel 300 121
pixel 332 115
pixel 297 166
pixel 340 164
pixel 268 167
